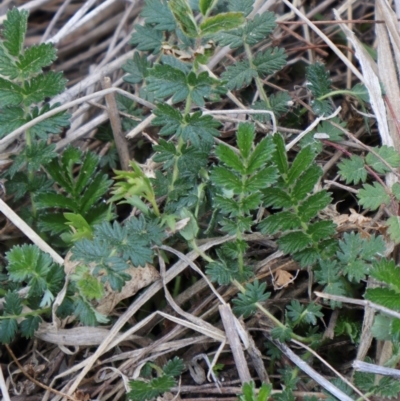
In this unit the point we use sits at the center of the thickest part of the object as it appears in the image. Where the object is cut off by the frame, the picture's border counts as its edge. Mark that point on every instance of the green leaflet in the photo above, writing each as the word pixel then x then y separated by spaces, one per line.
pixel 184 17
pixel 221 22
pixel 373 196
pixel 15 30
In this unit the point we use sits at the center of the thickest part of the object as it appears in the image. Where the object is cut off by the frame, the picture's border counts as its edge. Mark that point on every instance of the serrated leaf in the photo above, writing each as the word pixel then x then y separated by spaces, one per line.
pixel 38 154
pixel 141 391
pixel 281 221
pixel 184 17
pixel 233 38
pixel 174 367
pixel 372 248
pixel 158 13
pixel 8 330
pixel 15 30
pixel 321 230
pixel 279 104
pixel 245 303
pixel 279 156
pixel 261 154
pixel 388 387
pixel 35 58
pixel 299 313
pixel 27 261
pixel 90 287
pixel 353 170
pixel 12 304
pixel 394 228
pixel 220 272
pixel 261 180
pixel 270 61
pixel 244 6
pixel 306 182
pixel 198 129
pixel 51 125
pixel 10 93
pixel 230 158
pixel 245 138
pixel 7 65
pixel 318 79
pixel 283 334
pixel 221 22
pixel 313 204
pixel 294 242
pixel 302 162
pixel 356 270
pixel 147 39
pixel 238 75
pixel 277 198
pixel 373 196
pixel 49 199
pixel 165 80
pixel 29 326
pixel 384 296
pixel 259 28
pixel 321 107
pixel 43 85
pixel 351 247
pixel 389 154
pixel 195 128
pixel 386 271
pixel 85 312
pixel 136 69
pixel 226 178
pixel 10 119
pixel 326 127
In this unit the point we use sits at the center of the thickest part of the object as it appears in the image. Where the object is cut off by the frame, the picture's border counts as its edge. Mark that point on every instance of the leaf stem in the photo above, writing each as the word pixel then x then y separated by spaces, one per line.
pixel 259 83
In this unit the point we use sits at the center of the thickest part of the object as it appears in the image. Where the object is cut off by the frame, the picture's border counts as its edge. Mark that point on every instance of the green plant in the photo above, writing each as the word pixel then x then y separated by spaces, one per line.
pixel 142 390
pixel 249 184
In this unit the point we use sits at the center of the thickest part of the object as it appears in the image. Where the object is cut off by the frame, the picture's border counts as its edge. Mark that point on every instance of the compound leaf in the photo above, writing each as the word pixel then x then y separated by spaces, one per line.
pixel 259 28
pixel 15 30
pixel 245 304
pixel 389 154
pixel 35 58
pixel 158 13
pixel 244 6
pixel 318 80
pixel 313 204
pixel 294 242
pixel 373 196
pixel 384 296
pixel 281 221
pixel 302 162
pixel 10 93
pixel 43 85
pixel 270 61
pixel 238 75
pixel 147 39
pixel 353 170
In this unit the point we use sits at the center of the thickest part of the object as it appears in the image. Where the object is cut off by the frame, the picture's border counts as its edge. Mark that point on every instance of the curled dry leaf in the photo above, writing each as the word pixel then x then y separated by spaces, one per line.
pixel 140 277
pixel 282 279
